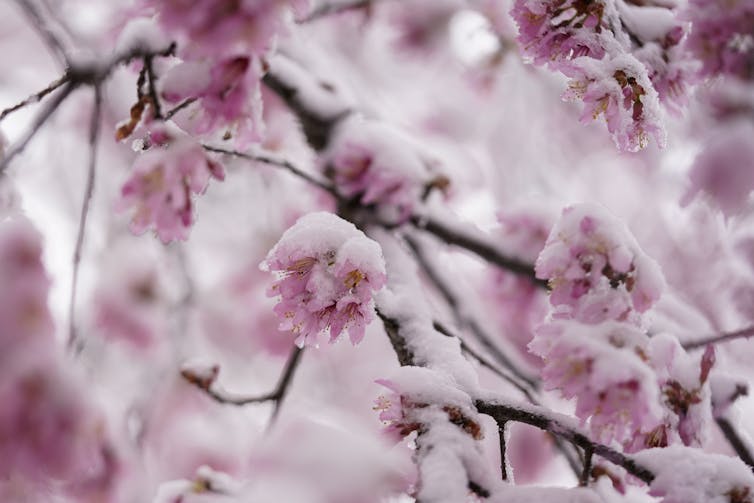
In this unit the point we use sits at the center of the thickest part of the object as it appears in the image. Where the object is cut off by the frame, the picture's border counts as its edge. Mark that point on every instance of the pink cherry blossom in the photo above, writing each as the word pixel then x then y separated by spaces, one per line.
pixel 24 314
pixel 228 94
pixel 721 37
pixel 550 32
pixel 161 187
pixel 328 272
pixel 596 269
pixel 379 166
pixel 601 367
pixel 208 27
pixel 620 90
pixel 724 169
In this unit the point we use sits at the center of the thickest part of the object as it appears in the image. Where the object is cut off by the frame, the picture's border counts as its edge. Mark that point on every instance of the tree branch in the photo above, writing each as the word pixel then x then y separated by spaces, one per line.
pixel 277 395
pixel 180 106
pixel 474 244
pixel 48 37
pixel 94 126
pixel 39 121
pixel 281 163
pixel 75 76
pixel 152 87
pixel 502 413
pixel 465 320
pixel 736 441
pixel 317 129
pixel 36 97
pixel 716 339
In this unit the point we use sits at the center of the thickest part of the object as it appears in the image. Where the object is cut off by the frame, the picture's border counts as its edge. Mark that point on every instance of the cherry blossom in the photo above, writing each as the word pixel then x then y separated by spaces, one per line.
pixel 208 27
pixel 620 90
pixel 378 166
pixel 596 269
pixel 163 182
pixel 329 271
pixel 228 94
pixel 722 36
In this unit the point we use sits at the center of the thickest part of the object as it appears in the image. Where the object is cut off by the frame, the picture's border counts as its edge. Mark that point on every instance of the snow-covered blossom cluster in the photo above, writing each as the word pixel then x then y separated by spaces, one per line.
pixel 379 166
pixel 595 268
pixel 328 273
pixel 623 59
pixel 641 391
pixel 164 180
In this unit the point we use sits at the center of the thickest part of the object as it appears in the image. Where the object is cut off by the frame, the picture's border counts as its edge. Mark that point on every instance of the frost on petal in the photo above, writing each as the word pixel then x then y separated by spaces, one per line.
pixel 228 94
pixel 328 272
pixel 686 475
pixel 596 269
pixel 620 90
pixel 550 32
pixel 163 182
pixel 601 367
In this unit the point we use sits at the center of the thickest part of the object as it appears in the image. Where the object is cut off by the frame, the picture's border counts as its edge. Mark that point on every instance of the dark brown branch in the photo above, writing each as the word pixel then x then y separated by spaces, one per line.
pixel 735 441
pixel 406 357
pixel 94 126
pixel 584 480
pixel 503 464
pixel 392 329
pixel 281 163
pixel 277 395
pixel 285 380
pixel 717 339
pixel 36 97
pixel 152 86
pixel 471 243
pixel 503 413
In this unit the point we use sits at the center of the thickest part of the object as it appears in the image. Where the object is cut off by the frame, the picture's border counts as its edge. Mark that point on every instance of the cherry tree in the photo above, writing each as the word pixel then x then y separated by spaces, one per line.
pixel 348 251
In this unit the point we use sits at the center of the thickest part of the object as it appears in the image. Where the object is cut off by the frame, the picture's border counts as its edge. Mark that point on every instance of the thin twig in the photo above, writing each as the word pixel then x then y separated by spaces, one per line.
pixel 716 339
pixel 36 97
pixel 277 395
pixel 285 380
pixel 180 106
pixel 471 243
pixel 48 37
pixel 465 320
pixel 281 163
pixel 485 362
pixel 94 126
pixel 39 121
